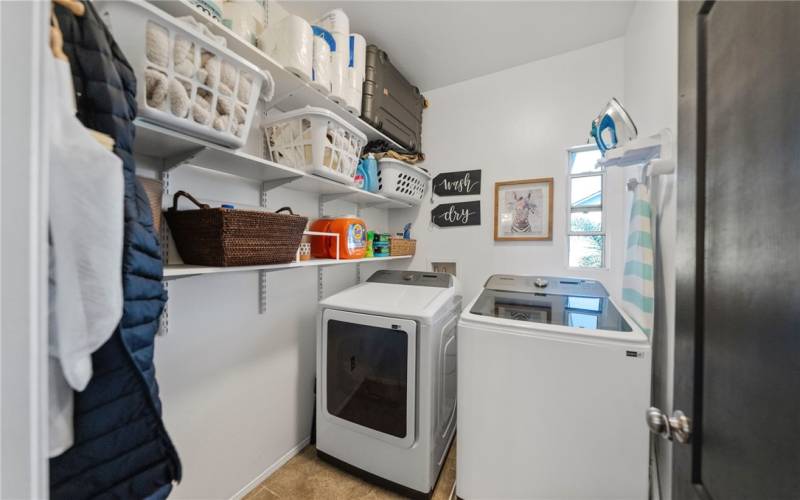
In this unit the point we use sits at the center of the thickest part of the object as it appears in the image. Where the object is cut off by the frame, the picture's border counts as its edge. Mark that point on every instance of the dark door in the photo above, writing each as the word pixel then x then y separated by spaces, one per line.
pixel 738 291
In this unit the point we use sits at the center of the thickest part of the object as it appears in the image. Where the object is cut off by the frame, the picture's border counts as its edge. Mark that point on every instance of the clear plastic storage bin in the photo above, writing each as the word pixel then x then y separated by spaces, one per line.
pixel 400 181
pixel 185 81
pixel 315 140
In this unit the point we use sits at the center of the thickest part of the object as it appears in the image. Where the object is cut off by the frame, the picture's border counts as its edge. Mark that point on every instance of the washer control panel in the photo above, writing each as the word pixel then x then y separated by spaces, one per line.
pixel 546 284
pixel 412 278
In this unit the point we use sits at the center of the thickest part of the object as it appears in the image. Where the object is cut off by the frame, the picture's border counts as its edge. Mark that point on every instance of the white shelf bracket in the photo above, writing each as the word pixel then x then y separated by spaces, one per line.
pixel 325 198
pixel 268 185
pixel 262 275
pixel 175 161
pixel 358 266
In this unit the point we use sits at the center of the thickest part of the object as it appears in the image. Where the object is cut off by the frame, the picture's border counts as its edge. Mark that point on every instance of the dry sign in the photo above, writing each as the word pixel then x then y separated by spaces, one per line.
pixel 467 213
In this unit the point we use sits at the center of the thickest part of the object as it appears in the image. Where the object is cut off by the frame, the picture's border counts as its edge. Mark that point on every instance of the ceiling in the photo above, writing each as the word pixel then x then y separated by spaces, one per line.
pixel 438 43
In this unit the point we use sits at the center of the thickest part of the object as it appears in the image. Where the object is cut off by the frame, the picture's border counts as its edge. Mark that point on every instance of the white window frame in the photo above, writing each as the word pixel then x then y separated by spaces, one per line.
pixel 603 208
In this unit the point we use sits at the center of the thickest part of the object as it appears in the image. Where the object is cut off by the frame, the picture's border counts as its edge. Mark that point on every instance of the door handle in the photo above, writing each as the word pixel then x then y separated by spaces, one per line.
pixel 676 428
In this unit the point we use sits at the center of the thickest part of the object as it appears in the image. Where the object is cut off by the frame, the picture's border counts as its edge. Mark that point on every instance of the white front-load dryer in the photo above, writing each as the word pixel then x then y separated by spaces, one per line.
pixel 386 378
pixel 553 386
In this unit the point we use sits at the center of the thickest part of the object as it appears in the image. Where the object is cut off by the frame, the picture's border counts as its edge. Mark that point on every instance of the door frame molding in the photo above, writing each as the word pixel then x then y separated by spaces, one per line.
pixel 24 252
pixel 686 480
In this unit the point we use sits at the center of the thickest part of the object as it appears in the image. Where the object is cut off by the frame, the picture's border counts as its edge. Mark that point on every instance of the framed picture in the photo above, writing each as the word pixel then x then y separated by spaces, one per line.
pixel 523 210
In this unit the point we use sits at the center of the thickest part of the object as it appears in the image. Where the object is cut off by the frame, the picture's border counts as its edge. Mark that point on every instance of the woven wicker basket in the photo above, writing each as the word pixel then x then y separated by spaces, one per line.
pixel 399 247
pixel 230 237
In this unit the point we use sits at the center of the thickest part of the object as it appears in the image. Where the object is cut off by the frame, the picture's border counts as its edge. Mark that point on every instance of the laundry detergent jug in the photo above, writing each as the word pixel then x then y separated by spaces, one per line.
pixel 352 237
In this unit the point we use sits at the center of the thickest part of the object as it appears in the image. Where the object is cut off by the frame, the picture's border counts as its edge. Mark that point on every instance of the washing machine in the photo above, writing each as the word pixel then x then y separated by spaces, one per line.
pixel 553 385
pixel 386 378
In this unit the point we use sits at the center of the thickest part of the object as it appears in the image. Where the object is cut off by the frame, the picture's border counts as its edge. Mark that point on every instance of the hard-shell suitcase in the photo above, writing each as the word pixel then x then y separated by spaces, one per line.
pixel 390 103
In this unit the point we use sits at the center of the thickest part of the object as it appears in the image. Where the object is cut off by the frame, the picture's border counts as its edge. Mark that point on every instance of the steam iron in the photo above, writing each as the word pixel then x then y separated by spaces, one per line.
pixel 613 127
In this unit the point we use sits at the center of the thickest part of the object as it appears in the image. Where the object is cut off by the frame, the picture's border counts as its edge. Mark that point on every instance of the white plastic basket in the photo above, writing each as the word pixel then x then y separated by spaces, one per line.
pixel 400 181
pixel 185 81
pixel 317 141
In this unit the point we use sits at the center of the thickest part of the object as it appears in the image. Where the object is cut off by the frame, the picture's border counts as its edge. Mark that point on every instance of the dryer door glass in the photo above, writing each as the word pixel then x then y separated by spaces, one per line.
pixel 367 379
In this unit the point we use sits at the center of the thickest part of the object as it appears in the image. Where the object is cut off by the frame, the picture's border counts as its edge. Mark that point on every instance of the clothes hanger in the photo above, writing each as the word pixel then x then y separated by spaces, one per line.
pixel 74 6
pixel 56 39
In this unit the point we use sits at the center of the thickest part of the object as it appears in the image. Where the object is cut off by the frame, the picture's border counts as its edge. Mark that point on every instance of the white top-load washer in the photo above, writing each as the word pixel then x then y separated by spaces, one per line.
pixel 553 385
pixel 386 377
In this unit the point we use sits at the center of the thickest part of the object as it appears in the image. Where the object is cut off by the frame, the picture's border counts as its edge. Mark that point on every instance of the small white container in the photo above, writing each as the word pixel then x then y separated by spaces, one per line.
pixel 247 18
pixel 400 181
pixel 358 54
pixel 339 60
pixel 291 43
pixel 354 91
pixel 321 65
pixel 317 141
pixel 184 80
pixel 335 21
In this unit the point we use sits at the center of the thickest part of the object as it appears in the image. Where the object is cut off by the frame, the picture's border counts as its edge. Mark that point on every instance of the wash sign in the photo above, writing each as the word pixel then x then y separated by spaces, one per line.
pixel 463 183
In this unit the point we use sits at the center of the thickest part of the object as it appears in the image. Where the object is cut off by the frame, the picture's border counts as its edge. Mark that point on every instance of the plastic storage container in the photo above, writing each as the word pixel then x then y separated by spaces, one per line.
pixel 184 80
pixel 317 141
pixel 400 181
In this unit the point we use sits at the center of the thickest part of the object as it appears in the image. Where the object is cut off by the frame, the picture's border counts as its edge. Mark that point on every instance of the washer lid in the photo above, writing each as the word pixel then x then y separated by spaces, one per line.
pixel 391 300
pixel 591 313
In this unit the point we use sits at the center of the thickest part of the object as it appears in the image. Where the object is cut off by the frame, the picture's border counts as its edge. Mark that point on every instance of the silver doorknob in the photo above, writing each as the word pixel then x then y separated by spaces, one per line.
pixel 676 428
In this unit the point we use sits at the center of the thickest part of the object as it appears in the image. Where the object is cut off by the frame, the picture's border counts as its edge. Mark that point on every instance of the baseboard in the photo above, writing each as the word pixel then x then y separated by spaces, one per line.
pixel 272 468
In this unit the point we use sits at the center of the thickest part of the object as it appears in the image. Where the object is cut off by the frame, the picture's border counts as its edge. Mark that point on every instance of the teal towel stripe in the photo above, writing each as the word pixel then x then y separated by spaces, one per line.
pixel 640 239
pixel 639 269
pixel 645 304
pixel 642 208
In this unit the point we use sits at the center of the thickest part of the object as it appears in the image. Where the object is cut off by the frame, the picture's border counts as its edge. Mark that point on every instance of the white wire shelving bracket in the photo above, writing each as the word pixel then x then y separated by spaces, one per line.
pixel 654 154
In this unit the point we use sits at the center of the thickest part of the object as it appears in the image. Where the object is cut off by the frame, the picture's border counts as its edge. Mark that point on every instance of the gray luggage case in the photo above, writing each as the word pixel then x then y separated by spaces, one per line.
pixel 390 103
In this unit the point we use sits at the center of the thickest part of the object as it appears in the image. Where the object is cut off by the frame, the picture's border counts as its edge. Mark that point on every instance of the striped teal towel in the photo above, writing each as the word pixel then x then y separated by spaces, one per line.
pixel 637 284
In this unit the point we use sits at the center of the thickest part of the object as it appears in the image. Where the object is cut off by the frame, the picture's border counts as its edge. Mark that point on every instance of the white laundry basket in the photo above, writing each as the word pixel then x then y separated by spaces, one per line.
pixel 185 81
pixel 317 141
pixel 400 181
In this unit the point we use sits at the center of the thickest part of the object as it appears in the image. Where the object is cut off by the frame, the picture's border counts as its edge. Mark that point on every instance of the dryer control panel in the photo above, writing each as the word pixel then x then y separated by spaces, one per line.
pixel 412 278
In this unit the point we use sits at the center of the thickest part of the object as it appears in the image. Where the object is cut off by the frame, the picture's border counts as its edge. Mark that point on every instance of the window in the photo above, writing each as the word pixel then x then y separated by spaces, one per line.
pixel 586 231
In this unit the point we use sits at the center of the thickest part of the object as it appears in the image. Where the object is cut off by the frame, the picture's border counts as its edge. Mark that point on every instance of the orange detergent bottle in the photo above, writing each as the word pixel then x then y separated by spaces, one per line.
pixel 352 237
pixel 320 244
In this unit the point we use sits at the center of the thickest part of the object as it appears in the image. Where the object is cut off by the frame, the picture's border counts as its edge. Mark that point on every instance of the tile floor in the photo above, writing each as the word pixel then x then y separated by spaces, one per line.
pixel 306 477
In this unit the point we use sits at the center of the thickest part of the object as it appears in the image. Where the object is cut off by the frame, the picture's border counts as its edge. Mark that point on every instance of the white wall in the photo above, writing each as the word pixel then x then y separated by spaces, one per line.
pixel 518 124
pixel 651 97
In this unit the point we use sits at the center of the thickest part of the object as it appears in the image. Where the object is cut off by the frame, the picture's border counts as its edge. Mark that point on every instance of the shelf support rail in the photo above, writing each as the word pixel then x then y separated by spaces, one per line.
pixel 262 275
pixel 166 194
pixel 358 266
pixel 320 284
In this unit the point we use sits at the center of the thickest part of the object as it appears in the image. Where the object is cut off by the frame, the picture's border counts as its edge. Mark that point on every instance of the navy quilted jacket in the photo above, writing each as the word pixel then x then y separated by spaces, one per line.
pixel 121 448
